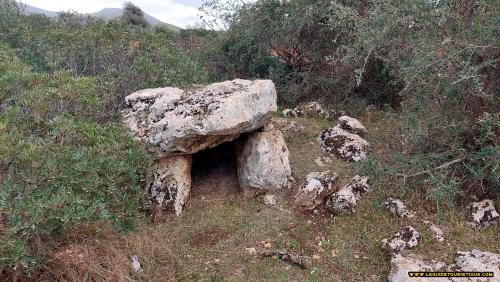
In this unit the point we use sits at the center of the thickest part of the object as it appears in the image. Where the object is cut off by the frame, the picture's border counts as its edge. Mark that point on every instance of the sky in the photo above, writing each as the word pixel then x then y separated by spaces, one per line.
pixel 177 12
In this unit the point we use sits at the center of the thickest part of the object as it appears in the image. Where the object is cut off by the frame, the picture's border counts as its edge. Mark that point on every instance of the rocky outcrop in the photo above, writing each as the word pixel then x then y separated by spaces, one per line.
pixel 478 261
pixel 263 162
pixel 346 145
pixel 171 184
pixel 179 121
pixel 346 199
pixel 483 214
pixel 401 265
pixel 317 187
pixel 406 238
pixel 352 125
pixel 398 208
pixel 474 261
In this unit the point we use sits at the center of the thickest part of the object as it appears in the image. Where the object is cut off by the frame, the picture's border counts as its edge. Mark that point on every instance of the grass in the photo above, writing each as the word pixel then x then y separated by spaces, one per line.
pixel 207 242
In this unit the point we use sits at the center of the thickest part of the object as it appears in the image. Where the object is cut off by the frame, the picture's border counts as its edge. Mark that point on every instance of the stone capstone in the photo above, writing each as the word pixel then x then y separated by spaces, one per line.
pixel 176 121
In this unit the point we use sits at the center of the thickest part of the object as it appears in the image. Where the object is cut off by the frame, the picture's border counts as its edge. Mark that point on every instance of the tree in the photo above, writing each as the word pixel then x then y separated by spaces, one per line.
pixel 133 15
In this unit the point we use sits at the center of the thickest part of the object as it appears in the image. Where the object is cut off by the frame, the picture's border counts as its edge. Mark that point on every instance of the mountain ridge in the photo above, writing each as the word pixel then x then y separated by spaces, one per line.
pixel 105 14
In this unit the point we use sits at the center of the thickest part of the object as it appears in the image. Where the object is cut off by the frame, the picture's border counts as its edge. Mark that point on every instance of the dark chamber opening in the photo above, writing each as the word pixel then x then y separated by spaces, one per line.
pixel 214 171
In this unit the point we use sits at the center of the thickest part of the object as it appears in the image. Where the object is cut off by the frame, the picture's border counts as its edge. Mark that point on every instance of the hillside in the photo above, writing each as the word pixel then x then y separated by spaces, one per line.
pixel 106 14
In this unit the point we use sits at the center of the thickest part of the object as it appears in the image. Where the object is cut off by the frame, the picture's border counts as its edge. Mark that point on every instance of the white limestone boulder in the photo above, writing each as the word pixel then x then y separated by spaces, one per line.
pixel 263 162
pixel 171 184
pixel 317 187
pixel 406 238
pixel 482 214
pixel 179 121
pixel 346 199
pixel 346 145
pixel 352 125
pixel 398 208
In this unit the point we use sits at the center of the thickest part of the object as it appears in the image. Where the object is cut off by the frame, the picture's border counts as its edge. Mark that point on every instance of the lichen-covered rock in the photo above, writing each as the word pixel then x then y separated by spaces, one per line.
pixel 345 200
pixel 478 261
pixel 171 184
pixel 311 109
pixel 317 187
pixel 475 261
pixel 398 208
pixel 344 144
pixel 352 125
pixel 179 121
pixel 406 238
pixel 401 265
pixel 263 162
pixel 483 214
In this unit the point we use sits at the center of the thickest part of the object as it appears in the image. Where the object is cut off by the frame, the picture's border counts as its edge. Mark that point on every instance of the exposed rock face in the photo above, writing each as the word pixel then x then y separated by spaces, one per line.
pixel 352 125
pixel 179 121
pixel 401 265
pixel 345 200
pixel 344 144
pixel 478 261
pixel 398 208
pixel 171 185
pixel 263 163
pixel 475 261
pixel 317 187
pixel 483 214
pixel 404 239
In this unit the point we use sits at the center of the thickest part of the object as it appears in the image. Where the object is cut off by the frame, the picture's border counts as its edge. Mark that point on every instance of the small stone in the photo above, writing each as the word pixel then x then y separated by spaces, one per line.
pixel 317 187
pixel 404 239
pixel 482 214
pixel 216 261
pixel 252 251
pixel 316 257
pixel 270 200
pixel 356 256
pixel 321 250
pixel 345 200
pixel 398 208
pixel 268 245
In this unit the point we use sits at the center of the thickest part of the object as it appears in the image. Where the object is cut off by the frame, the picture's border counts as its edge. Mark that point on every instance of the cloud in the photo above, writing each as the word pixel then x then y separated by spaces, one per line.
pixel 177 12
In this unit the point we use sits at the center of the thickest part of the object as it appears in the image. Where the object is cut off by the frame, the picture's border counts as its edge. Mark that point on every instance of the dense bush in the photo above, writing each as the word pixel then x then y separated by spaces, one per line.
pixel 66 159
pixel 436 62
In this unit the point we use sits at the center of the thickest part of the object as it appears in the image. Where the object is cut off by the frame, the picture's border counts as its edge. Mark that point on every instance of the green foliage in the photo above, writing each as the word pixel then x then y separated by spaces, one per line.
pixel 133 15
pixel 60 168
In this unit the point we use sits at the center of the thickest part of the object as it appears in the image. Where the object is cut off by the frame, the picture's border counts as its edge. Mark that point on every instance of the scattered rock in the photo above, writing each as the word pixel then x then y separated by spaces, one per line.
pixel 263 163
pixel 316 257
pixel 398 208
pixel 345 200
pixel 136 265
pixel 268 245
pixel 478 261
pixel 311 109
pixel 474 261
pixel 404 239
pixel 270 200
pixel 317 187
pixel 401 265
pixel 344 144
pixel 483 214
pixel 171 183
pixel 352 125
pixel 252 251
pixel 438 232
pixel 179 121
pixel 293 113
pixel 370 108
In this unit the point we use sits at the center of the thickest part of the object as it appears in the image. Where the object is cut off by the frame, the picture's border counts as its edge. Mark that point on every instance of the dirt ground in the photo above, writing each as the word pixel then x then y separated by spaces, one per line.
pixel 208 241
